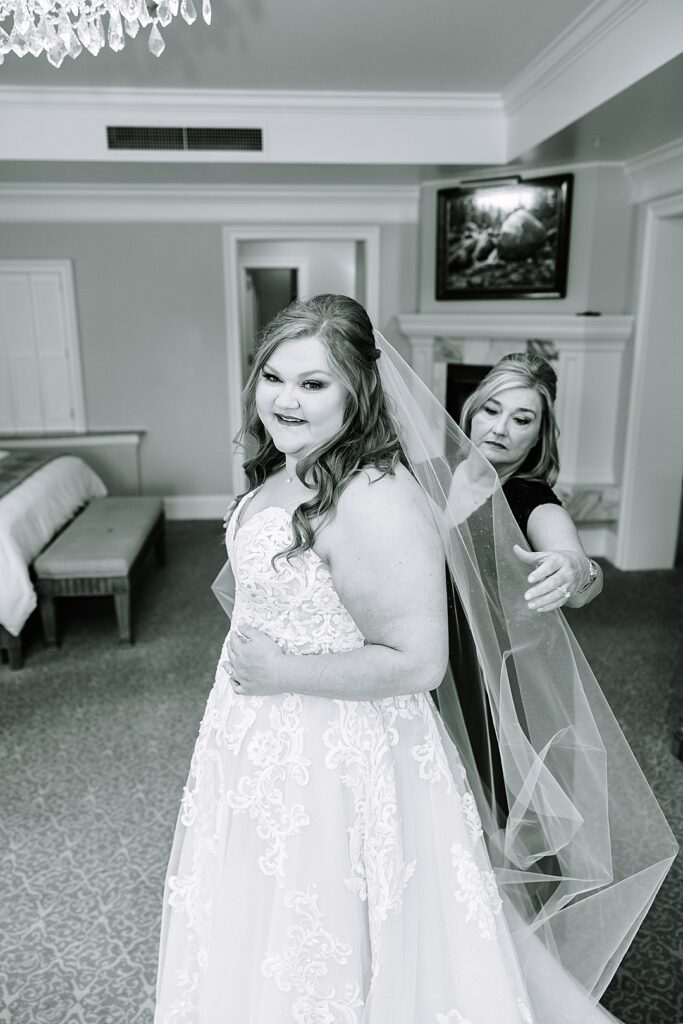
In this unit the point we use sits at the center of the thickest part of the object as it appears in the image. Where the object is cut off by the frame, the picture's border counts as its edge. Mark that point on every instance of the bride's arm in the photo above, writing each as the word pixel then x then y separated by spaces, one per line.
pixel 387 565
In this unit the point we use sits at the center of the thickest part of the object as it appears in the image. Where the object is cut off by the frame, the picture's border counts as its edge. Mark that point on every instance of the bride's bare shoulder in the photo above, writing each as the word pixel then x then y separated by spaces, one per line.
pixel 377 515
pixel 376 499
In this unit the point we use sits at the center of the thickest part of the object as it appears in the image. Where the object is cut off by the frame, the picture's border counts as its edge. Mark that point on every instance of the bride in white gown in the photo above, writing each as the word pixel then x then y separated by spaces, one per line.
pixel 330 863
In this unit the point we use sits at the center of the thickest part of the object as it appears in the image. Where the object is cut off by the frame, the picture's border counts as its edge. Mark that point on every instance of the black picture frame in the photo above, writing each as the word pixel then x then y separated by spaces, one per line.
pixel 504 240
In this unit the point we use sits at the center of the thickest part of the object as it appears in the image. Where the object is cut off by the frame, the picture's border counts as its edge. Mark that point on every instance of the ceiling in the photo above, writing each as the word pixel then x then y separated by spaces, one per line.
pixel 414 50
pixel 414 45
pixel 643 117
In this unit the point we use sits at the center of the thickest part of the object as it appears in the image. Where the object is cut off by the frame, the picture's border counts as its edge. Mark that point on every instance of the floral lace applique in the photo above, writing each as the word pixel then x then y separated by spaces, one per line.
pixel 191 894
pixel 525 1012
pixel 431 756
pixel 233 715
pixel 294 602
pixel 358 742
pixel 303 966
pixel 277 754
pixel 478 890
pixel 452 1017
pixel 226 721
pixel 469 808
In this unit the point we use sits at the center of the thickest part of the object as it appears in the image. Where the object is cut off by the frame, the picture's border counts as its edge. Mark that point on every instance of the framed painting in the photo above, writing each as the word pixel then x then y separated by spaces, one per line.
pixel 504 240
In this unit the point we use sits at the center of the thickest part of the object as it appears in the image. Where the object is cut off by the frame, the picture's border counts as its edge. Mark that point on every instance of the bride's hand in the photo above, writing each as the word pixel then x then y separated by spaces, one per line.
pixel 256 661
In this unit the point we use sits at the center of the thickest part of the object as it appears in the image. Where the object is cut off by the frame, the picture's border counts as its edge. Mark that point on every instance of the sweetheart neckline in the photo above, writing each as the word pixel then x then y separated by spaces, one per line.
pixel 242 526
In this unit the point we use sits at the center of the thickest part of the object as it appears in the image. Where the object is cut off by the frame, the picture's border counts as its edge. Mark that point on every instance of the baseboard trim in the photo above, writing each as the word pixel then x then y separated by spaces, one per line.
pixel 196 506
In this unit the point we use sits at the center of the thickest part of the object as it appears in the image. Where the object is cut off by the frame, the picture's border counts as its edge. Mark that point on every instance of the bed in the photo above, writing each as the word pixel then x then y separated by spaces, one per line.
pixel 39 494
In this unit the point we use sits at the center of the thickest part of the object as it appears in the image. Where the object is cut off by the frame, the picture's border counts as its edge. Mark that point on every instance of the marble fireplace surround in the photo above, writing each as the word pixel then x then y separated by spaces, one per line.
pixel 590 355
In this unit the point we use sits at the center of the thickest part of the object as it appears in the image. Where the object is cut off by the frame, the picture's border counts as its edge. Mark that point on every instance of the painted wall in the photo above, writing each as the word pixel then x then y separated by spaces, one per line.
pixel 152 330
pixel 151 317
pixel 600 244
pixel 398 280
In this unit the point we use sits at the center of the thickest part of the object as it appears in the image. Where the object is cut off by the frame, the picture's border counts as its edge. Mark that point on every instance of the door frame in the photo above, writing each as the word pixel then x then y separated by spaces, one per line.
pixel 367 234
pixel 268 263
pixel 650 499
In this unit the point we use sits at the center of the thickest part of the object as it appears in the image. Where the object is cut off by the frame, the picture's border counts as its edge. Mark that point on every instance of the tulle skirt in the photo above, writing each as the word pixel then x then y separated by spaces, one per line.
pixel 328 867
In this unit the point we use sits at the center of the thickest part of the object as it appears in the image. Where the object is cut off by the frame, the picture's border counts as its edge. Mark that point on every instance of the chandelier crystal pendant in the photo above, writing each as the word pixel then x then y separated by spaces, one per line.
pixel 61 28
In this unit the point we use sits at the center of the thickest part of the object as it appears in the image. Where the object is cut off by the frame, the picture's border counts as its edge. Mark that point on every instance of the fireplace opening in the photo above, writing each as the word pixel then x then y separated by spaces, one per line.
pixel 461 380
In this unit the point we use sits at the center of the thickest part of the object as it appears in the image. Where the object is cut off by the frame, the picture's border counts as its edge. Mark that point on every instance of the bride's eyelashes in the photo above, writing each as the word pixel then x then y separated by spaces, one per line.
pixel 310 385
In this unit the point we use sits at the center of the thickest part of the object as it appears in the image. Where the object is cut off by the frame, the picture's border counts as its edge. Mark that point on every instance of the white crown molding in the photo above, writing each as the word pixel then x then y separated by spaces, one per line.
pixel 582 35
pixel 200 101
pixel 610 46
pixel 298 127
pixel 657 173
pixel 209 204
pixel 556 326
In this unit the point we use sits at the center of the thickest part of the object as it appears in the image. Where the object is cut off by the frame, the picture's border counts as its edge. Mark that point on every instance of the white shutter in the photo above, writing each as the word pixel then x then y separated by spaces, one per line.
pixel 6 408
pixel 40 379
pixel 20 352
pixel 52 350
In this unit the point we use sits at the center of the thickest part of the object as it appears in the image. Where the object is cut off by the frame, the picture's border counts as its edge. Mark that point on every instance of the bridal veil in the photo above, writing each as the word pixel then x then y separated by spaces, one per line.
pixel 583 846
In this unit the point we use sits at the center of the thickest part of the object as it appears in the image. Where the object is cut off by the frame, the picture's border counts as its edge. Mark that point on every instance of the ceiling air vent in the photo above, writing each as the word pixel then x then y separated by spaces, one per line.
pixel 235 139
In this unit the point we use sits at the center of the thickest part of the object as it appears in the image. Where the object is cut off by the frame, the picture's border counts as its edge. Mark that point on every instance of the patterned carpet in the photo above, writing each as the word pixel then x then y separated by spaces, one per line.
pixel 95 746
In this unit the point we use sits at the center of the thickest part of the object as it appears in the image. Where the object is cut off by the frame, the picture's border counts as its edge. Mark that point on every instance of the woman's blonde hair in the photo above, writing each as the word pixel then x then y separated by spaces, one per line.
pixel 523 370
pixel 367 436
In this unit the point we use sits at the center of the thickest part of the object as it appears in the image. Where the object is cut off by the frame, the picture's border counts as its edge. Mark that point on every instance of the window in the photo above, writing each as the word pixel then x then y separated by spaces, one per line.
pixel 41 388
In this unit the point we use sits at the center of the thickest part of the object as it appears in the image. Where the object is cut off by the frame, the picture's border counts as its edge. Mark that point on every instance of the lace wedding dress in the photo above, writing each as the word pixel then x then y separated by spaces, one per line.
pixel 328 865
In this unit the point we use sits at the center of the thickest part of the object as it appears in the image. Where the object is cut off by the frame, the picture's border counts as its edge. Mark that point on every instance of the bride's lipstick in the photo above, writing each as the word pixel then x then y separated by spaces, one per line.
pixel 288 421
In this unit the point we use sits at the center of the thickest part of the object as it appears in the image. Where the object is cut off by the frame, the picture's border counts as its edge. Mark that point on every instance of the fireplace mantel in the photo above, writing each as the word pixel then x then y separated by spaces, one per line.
pixel 589 356
pixel 560 326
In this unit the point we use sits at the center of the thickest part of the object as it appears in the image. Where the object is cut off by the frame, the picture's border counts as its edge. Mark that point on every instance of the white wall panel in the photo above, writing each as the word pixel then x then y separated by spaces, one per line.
pixel 39 357
pixel 18 343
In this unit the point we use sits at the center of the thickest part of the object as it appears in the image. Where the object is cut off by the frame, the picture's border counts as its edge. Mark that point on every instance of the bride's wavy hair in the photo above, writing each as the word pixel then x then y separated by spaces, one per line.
pixel 523 370
pixel 367 437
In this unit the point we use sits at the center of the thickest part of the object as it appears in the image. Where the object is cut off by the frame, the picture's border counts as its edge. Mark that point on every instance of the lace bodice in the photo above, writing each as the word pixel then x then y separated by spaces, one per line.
pixel 293 601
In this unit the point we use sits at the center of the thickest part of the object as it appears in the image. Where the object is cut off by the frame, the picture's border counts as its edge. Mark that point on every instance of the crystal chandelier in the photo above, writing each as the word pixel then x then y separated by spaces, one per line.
pixel 61 28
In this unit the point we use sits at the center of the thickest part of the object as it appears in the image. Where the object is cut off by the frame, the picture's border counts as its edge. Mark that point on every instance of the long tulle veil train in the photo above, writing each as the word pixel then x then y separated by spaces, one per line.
pixel 585 846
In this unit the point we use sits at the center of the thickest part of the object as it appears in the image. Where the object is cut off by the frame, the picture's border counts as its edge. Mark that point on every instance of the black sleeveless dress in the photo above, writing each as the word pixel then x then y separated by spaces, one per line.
pixel 523 496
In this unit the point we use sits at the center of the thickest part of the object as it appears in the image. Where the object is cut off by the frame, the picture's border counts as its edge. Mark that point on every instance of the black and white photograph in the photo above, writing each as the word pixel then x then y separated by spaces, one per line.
pixel 341 512
pixel 504 240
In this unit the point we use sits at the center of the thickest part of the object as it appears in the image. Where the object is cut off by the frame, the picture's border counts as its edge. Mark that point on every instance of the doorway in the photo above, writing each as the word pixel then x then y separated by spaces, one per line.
pixel 266 287
pixel 307 261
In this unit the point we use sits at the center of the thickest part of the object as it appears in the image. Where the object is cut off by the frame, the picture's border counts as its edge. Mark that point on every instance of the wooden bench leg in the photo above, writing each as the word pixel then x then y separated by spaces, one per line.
pixel 122 604
pixel 15 655
pixel 12 644
pixel 49 619
pixel 160 545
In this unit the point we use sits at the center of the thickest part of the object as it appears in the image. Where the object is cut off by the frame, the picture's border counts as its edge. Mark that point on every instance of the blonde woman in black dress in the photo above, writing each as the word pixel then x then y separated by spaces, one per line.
pixel 510 419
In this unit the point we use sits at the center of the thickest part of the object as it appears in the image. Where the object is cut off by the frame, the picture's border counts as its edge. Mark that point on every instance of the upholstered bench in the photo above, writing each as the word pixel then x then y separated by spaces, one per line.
pixel 101 552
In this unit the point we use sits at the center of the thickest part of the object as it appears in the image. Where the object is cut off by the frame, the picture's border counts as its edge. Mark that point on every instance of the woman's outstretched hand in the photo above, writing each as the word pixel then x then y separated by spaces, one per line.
pixel 557 577
pixel 257 663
